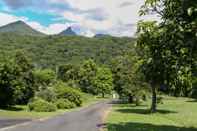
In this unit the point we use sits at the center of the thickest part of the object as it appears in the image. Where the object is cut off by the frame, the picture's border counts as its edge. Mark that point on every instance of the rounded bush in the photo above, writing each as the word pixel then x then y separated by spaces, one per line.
pixel 71 94
pixel 47 95
pixel 65 104
pixel 40 105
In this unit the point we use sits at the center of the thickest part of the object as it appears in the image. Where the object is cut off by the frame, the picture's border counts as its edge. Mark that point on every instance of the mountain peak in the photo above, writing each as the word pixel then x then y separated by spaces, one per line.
pixel 16 23
pixel 21 28
pixel 68 32
pixel 19 22
pixel 69 28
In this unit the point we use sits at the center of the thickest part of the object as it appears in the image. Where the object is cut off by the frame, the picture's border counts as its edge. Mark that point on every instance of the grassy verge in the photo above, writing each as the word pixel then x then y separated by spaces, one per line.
pixel 176 114
pixel 22 112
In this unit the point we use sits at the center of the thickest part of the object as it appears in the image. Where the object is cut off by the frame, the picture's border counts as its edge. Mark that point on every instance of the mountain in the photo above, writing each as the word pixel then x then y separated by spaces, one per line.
pixel 20 28
pixel 101 35
pixel 68 32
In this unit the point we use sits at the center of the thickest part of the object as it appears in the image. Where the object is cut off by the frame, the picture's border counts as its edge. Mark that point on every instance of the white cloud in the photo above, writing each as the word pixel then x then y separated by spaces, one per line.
pixel 51 29
pixel 8 18
pixel 116 17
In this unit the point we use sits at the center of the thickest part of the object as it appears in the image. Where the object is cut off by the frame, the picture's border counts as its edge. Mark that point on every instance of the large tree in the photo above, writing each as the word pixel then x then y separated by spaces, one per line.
pixel 128 80
pixel 25 67
pixel 103 81
pixel 87 72
pixel 169 46
pixel 11 87
pixel 68 72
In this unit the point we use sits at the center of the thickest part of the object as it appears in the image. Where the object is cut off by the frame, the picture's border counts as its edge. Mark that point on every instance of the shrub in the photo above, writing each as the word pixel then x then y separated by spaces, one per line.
pixel 71 94
pixel 40 105
pixel 137 100
pixel 65 104
pixel 47 95
pixel 44 77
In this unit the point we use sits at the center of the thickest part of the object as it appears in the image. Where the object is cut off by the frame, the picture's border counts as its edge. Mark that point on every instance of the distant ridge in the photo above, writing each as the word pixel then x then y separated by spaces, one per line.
pixel 21 28
pixel 68 32
pixel 101 35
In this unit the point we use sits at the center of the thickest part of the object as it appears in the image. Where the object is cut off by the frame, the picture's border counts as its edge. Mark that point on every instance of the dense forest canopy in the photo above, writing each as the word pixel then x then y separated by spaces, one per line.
pixel 51 51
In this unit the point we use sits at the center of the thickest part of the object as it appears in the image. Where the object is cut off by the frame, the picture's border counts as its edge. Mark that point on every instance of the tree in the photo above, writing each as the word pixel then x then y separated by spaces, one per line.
pixel 153 65
pixel 16 80
pixel 169 47
pixel 68 72
pixel 26 67
pixel 87 73
pixel 44 78
pixel 103 81
pixel 11 86
pixel 128 81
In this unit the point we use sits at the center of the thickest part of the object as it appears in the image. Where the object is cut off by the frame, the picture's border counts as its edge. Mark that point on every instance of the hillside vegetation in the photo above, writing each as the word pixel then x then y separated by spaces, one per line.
pixel 51 51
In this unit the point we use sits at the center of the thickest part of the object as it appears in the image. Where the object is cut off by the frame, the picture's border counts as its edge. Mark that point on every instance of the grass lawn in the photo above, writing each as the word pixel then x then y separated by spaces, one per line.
pixel 22 112
pixel 176 114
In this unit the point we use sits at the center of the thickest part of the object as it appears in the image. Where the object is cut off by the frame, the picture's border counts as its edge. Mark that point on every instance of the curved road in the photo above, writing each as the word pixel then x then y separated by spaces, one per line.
pixel 86 119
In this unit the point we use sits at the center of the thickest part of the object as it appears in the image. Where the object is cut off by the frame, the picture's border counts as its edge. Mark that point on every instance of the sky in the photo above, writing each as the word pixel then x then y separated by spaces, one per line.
pixel 86 17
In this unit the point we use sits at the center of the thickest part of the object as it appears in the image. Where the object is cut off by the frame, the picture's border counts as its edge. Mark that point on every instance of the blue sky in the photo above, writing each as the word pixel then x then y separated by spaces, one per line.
pixel 87 17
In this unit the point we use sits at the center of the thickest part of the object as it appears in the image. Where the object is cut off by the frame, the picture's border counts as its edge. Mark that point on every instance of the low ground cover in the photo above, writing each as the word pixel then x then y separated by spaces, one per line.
pixel 175 114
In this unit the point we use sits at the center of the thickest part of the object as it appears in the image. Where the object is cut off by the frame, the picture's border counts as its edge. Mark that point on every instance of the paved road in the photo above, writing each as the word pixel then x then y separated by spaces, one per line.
pixel 4 122
pixel 86 119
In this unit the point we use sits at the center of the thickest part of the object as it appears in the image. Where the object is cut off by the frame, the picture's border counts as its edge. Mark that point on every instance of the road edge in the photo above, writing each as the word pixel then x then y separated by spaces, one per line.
pixel 47 118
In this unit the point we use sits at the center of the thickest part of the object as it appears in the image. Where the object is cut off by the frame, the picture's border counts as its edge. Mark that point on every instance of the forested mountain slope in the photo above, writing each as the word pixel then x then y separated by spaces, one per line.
pixel 51 51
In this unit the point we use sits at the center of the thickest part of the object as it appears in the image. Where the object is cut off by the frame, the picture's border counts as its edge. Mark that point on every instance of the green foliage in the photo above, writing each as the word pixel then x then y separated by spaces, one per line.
pixel 16 80
pixel 169 47
pixel 68 72
pixel 64 104
pixel 10 85
pixel 40 105
pixel 51 51
pixel 64 92
pixel 87 73
pixel 47 95
pixel 44 77
pixel 128 80
pixel 25 67
pixel 103 81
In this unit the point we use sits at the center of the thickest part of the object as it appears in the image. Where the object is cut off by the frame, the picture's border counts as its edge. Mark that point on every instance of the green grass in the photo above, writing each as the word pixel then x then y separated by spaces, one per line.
pixel 23 113
pixel 176 114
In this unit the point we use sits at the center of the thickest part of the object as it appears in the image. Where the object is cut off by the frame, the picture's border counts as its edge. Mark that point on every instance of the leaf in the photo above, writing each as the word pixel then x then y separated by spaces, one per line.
pixel 190 11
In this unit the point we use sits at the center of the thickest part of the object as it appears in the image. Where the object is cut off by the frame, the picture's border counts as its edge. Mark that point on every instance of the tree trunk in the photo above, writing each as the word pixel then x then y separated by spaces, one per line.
pixel 130 99
pixel 154 99
pixel 103 95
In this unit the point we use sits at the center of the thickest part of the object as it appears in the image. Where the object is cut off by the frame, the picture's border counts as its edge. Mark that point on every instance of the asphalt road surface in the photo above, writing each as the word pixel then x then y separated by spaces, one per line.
pixel 85 119
pixel 4 122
